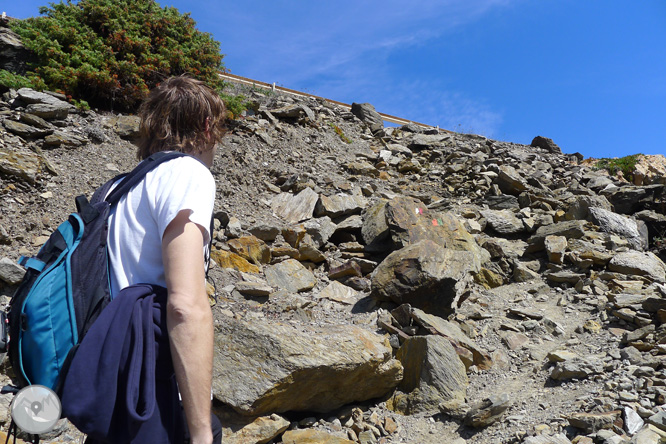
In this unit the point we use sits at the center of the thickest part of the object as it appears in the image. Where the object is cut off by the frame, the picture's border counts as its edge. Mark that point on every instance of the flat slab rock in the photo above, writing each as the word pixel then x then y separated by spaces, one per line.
pixel 290 275
pixel 295 208
pixel 638 263
pixel 262 429
pixel 311 436
pixel 266 367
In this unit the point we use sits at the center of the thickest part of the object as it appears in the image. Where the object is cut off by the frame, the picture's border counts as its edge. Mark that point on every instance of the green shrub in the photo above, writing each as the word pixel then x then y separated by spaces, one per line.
pixel 82 105
pixel 16 81
pixel 235 104
pixel 112 52
pixel 625 164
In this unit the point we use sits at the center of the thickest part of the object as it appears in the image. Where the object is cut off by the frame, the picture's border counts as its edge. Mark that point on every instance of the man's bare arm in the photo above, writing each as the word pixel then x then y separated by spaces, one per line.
pixel 189 322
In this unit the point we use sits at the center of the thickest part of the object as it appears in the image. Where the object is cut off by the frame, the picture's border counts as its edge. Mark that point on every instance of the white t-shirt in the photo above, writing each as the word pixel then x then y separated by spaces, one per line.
pixel 138 222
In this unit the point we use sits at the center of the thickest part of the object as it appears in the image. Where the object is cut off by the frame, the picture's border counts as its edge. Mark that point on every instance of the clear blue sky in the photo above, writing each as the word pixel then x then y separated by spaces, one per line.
pixel 589 74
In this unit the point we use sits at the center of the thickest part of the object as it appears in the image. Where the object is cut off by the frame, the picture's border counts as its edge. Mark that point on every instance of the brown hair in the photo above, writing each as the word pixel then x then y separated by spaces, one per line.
pixel 174 117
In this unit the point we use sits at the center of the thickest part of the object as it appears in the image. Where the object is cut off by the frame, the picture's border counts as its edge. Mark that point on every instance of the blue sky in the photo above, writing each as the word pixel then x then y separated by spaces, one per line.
pixel 589 74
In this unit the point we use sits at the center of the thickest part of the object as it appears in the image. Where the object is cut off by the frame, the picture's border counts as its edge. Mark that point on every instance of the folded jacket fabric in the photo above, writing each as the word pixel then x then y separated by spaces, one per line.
pixel 120 386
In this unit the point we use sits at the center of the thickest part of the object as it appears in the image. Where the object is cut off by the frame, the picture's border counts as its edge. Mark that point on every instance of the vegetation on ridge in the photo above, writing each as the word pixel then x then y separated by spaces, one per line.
pixel 112 52
pixel 626 165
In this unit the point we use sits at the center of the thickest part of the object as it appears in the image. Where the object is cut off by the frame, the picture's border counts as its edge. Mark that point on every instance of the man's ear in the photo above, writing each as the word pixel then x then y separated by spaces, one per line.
pixel 207 124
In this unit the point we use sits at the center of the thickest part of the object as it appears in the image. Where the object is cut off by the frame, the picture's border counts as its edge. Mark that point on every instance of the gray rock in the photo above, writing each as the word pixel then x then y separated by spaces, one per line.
pixel 340 205
pixel 593 422
pixel 632 421
pixel 14 57
pixel 368 115
pixel 126 127
pixel 600 182
pixel 546 144
pixel 295 208
pixel 638 263
pixel 10 272
pixel 60 138
pixel 579 207
pixel 646 436
pixel 265 232
pixel 488 411
pixel 658 420
pixel 35 121
pixel 638 334
pixel 22 165
pixel 573 229
pixel 290 275
pixel 427 141
pixel 522 273
pixel 375 230
pixel 634 231
pixel 555 248
pixel 575 368
pixel 433 376
pixel 563 277
pixel 234 228
pixel 254 288
pixel 552 327
pixel 547 439
pixel 320 229
pixel 424 275
pixel 31 96
pixel 628 199
pixel 293 112
pixel 338 292
pixel 349 223
pixel 25 131
pixel 510 181
pixel 50 111
pixel 503 221
pixel 266 367
pixel 503 202
pixel 450 330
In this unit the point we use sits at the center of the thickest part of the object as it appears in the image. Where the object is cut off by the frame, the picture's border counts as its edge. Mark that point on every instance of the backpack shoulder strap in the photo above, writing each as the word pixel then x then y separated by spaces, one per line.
pixel 138 173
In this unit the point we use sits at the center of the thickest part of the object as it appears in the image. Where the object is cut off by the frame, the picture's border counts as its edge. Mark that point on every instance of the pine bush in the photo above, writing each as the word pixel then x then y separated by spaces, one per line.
pixel 112 52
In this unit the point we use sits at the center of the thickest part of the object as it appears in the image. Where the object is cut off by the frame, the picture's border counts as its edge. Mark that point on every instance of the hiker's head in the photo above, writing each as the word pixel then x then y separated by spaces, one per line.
pixel 181 114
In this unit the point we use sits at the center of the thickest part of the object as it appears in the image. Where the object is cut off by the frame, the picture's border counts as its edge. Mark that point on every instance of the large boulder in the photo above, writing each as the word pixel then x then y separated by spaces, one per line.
pixel 290 275
pixel 425 275
pixel 434 376
pixel 295 208
pixel 546 144
pixel 340 205
pixel 410 221
pixel 455 335
pixel 634 231
pixel 503 221
pixel 14 57
pixel 375 230
pixel 266 367
pixel 22 165
pixel 638 263
pixel 579 206
pixel 366 112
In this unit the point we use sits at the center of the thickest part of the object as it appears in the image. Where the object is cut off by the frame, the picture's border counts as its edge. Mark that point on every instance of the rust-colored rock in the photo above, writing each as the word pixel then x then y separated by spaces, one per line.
pixel 227 259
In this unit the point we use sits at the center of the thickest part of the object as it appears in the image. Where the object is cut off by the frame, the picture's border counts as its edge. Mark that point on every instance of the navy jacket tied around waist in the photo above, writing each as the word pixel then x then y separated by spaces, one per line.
pixel 121 386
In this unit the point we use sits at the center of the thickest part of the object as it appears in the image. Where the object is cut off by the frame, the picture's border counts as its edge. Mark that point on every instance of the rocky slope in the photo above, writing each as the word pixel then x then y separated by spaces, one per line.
pixel 390 285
